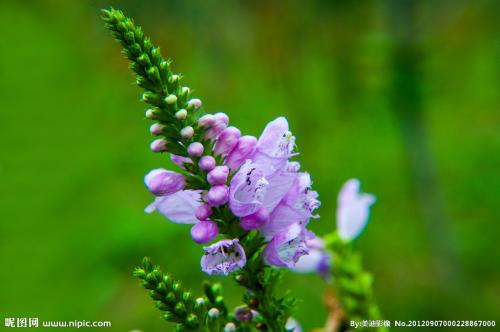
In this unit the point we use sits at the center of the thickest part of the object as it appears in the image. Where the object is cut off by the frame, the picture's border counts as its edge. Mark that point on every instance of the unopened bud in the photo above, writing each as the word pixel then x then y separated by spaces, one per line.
pixel 171 99
pixel 162 182
pixel 207 163
pixel 218 195
pixel 156 128
pixel 159 145
pixel 213 313
pixel 195 149
pixel 187 132
pixel 194 103
pixel 174 78
pixel 203 212
pixel 226 141
pixel 230 327
pixel 218 175
pixel 204 231
pixel 181 114
pixel 150 113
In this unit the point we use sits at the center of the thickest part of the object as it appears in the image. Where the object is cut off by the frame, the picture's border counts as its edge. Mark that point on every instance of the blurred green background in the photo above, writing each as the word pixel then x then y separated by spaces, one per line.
pixel 401 94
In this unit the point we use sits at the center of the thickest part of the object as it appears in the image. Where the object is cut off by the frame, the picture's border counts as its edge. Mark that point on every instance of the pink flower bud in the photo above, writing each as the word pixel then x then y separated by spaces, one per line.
pixel 159 145
pixel 204 231
pixel 207 163
pixel 162 182
pixel 195 149
pixel 255 220
pixel 203 212
pixel 206 121
pixel 227 140
pixel 243 150
pixel 156 128
pixel 218 175
pixel 218 195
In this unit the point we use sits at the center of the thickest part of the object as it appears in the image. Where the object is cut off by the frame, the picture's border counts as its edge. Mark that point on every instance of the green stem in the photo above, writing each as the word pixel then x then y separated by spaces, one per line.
pixel 353 285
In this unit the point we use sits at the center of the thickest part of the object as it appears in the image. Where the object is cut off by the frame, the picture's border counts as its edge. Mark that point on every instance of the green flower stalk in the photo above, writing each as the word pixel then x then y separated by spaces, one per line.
pixel 242 192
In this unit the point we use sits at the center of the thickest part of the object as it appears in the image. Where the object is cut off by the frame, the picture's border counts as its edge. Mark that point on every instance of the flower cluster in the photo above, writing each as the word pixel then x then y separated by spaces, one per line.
pixel 252 177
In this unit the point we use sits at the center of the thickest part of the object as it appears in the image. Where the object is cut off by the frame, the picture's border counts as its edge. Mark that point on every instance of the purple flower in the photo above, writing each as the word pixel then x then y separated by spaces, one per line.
pixel 243 150
pixel 275 145
pixel 223 257
pixel 353 210
pixel 255 220
pixel 218 175
pixel 179 207
pixel 196 103
pixel 251 189
pixel 195 149
pixel 317 261
pixel 162 182
pixel 226 141
pixel 297 206
pixel 180 160
pixel 218 195
pixel 204 231
pixel 207 163
pixel 286 247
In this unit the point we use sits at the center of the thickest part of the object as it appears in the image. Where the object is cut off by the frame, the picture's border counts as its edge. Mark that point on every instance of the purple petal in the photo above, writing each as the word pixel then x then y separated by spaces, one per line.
pixel 353 210
pixel 286 247
pixel 223 257
pixel 180 207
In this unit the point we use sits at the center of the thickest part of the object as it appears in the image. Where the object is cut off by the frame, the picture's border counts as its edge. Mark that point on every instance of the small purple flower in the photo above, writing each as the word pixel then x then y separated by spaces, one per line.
pixel 226 141
pixel 242 151
pixel 204 231
pixel 218 175
pixel 286 247
pixel 353 210
pixel 317 261
pixel 162 182
pixel 203 212
pixel 255 220
pixel 180 207
pixel 275 145
pixel 195 149
pixel 180 160
pixel 207 163
pixel 223 257
pixel 159 145
pixel 251 189
pixel 297 206
pixel 218 195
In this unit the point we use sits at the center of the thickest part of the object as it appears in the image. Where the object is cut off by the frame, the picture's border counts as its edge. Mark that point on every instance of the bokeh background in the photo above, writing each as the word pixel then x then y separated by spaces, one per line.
pixel 401 94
